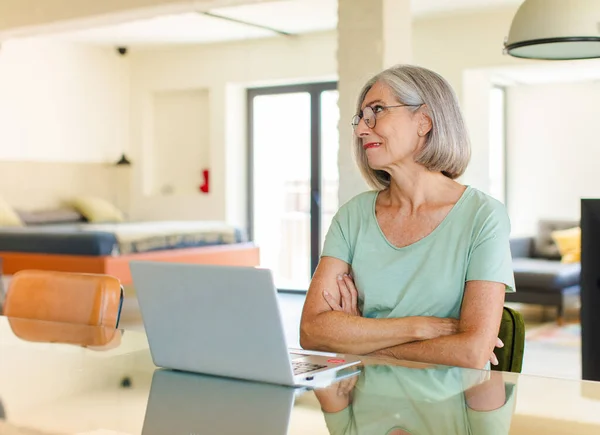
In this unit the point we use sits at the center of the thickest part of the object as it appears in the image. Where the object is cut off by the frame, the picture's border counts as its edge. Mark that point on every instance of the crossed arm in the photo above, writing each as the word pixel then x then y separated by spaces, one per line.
pixel 331 322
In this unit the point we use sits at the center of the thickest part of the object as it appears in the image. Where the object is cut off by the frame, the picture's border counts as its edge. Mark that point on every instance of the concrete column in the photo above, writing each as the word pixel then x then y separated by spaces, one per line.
pixel 372 35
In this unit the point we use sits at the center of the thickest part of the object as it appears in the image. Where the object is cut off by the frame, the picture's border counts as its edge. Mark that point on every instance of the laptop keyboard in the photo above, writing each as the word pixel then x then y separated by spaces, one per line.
pixel 304 367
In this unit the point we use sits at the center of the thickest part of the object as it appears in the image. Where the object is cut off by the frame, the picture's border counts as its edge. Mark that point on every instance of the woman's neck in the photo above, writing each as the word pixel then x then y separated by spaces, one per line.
pixel 412 188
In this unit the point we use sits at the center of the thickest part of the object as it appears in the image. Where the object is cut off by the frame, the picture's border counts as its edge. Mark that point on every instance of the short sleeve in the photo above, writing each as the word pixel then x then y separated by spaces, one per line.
pixel 336 241
pixel 496 422
pixel 490 258
pixel 340 423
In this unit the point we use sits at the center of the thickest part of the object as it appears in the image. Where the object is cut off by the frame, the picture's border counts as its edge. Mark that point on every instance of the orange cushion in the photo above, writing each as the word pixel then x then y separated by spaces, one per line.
pixel 88 299
pixel 93 337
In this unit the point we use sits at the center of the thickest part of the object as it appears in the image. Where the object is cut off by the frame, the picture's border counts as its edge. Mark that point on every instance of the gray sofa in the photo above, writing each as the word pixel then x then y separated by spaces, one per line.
pixel 540 277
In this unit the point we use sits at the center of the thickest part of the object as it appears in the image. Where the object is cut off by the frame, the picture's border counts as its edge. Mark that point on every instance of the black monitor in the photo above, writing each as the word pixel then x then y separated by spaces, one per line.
pixel 590 289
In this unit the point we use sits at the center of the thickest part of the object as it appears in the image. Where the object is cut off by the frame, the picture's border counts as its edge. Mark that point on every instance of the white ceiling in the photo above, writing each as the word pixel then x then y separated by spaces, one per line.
pixel 426 7
pixel 185 28
pixel 290 16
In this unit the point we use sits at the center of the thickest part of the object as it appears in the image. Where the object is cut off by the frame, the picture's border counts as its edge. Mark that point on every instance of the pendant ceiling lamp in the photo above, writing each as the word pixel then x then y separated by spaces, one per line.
pixel 555 30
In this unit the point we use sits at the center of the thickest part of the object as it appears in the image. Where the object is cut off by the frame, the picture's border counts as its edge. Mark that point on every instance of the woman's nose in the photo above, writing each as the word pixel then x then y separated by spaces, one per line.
pixel 362 128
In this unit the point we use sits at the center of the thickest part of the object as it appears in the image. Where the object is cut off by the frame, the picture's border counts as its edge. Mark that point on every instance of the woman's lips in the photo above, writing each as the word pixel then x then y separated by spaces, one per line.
pixel 371 145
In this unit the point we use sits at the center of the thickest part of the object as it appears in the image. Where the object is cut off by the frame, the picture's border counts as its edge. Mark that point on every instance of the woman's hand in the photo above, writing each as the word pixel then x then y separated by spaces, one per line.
pixel 347 299
pixel 429 328
pixel 338 396
pixel 434 327
pixel 493 358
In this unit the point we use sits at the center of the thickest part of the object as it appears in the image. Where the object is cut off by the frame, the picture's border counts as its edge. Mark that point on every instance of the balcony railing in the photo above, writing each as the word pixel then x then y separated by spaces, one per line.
pixel 288 253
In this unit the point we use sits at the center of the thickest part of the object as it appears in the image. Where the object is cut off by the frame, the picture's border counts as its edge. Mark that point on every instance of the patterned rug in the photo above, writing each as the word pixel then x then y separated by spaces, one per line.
pixel 553 334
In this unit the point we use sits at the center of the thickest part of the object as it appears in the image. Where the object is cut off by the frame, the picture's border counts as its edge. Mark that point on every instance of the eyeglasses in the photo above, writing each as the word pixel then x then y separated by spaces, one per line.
pixel 370 114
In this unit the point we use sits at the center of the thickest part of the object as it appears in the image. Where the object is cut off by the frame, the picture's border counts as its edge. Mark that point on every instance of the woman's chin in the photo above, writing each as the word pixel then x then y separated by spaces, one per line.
pixel 376 165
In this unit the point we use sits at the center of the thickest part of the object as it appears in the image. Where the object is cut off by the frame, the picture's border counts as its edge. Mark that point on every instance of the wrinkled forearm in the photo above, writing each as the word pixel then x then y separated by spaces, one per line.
pixel 335 331
pixel 464 349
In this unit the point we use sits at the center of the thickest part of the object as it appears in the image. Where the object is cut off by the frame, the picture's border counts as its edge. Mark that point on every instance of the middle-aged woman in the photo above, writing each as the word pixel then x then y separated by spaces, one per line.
pixel 418 267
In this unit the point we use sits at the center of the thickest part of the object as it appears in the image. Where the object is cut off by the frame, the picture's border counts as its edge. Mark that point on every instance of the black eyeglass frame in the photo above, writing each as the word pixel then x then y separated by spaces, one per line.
pixel 356 118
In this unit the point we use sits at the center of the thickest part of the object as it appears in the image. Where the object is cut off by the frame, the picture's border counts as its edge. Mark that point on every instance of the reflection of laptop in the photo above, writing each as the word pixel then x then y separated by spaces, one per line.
pixel 223 320
pixel 187 403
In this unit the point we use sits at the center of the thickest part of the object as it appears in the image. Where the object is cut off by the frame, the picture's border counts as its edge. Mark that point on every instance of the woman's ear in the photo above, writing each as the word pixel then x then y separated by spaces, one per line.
pixel 425 124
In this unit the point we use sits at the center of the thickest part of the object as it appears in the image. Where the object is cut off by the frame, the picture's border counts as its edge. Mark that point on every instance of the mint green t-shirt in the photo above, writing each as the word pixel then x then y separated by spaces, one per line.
pixel 428 277
pixel 420 402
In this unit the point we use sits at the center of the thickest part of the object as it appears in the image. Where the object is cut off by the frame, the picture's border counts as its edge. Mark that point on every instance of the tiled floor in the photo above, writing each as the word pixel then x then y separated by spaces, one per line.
pixel 548 359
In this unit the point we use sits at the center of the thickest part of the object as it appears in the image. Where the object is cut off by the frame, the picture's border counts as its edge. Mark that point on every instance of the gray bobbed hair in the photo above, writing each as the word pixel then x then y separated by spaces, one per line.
pixel 446 147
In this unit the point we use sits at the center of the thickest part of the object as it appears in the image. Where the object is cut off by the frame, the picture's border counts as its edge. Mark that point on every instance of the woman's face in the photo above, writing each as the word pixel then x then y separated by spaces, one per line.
pixel 395 137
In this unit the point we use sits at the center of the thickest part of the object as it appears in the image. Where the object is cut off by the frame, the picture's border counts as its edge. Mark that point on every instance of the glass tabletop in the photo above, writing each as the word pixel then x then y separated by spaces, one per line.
pixel 71 379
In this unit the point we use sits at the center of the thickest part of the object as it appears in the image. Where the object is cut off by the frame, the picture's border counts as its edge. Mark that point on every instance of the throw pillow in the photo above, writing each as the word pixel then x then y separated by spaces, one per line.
pixel 50 216
pixel 569 244
pixel 543 245
pixel 96 209
pixel 8 216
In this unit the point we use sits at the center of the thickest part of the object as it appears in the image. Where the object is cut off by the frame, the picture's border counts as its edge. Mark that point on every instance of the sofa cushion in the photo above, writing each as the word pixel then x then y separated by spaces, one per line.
pixel 545 275
pixel 50 216
pixel 543 245
pixel 96 209
pixel 569 244
pixel 521 247
pixel 8 216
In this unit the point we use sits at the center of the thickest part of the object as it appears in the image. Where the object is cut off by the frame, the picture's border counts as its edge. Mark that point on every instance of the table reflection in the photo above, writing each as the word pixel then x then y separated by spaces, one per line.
pixel 91 337
pixel 397 400
pixel 187 403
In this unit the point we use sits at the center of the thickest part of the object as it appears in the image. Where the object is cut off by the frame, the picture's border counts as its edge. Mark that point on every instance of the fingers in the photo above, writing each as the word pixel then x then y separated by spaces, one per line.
pixel 450 326
pixel 333 304
pixel 493 359
pixel 454 323
pixel 342 388
pixel 352 289
pixel 346 386
pixel 352 382
pixel 345 293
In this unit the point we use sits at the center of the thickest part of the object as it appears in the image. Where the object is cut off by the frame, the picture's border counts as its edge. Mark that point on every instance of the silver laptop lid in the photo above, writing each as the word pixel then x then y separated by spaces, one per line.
pixel 188 403
pixel 220 320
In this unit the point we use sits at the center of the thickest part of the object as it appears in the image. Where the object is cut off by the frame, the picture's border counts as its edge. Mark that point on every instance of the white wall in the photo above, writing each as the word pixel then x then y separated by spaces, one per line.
pixel 464 49
pixel 64 119
pixel 553 151
pixel 223 69
pixel 62 102
pixel 181 141
pixel 452 45
pixel 45 185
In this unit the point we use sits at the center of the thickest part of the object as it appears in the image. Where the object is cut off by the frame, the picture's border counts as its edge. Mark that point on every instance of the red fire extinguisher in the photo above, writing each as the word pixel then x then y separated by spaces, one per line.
pixel 204 187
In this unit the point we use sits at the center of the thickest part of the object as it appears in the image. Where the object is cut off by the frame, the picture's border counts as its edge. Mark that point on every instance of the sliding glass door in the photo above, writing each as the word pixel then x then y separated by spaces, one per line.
pixel 293 177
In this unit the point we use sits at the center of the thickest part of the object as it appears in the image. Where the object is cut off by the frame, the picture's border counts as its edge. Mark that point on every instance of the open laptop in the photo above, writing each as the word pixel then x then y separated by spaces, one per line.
pixel 225 321
pixel 189 403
